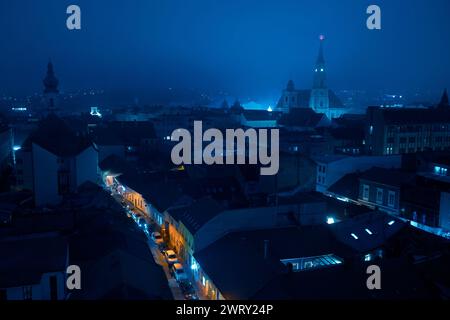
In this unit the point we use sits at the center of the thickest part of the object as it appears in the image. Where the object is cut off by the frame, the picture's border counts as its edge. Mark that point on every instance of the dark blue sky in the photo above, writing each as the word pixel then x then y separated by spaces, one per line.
pixel 247 47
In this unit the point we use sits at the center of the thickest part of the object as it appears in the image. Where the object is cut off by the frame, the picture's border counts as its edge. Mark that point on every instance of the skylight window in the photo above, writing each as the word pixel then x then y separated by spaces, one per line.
pixel 310 263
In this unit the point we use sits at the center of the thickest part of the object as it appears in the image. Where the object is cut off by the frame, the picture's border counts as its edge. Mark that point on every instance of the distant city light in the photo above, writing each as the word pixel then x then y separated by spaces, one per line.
pixel 19 109
pixel 95 112
pixel 321 69
pixel 354 236
pixel 369 232
pixel 330 220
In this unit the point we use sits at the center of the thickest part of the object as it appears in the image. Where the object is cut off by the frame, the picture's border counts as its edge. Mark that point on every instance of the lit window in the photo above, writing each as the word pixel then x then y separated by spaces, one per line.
pixel 391 222
pixel 330 220
pixel 354 236
pixel 204 281
pixel 369 232
pixel 440 171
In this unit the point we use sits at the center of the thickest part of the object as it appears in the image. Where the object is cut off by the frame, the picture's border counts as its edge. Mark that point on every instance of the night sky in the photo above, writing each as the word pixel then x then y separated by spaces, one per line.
pixel 246 47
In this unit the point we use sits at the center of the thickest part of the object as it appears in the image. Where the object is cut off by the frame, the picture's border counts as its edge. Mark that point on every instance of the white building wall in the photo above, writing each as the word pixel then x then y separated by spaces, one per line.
pixel 86 164
pixel 45 169
pixel 24 164
pixel 41 290
pixel 444 212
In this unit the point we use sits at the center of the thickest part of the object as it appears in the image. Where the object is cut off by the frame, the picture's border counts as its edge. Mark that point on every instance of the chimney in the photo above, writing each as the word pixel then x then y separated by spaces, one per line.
pixel 266 249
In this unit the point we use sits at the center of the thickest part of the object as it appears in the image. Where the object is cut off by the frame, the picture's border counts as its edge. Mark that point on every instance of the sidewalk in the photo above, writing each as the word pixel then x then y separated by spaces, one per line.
pixel 159 259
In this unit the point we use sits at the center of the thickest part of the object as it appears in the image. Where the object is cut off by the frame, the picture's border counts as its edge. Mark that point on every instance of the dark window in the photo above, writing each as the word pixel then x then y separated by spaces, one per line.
pixel 19 161
pixel 27 293
pixel 412 139
pixel 63 182
pixel 53 288
pixel 403 140
pixel 3 295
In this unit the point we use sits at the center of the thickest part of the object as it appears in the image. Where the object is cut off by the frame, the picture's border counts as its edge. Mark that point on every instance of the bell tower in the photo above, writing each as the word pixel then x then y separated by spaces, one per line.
pixel 51 90
pixel 319 100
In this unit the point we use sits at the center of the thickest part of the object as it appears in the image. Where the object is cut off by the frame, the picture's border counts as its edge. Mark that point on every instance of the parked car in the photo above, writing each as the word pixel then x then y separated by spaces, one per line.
pixel 157 238
pixel 162 247
pixel 191 296
pixel 141 222
pixel 170 256
pixel 188 290
pixel 178 272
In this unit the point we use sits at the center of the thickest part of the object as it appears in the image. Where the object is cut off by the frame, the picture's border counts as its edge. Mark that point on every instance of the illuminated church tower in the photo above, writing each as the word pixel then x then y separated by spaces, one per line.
pixel 319 100
pixel 50 88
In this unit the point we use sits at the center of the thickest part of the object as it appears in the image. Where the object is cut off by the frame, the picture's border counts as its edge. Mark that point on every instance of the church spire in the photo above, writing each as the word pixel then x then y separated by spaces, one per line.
pixel 50 80
pixel 320 58
pixel 319 70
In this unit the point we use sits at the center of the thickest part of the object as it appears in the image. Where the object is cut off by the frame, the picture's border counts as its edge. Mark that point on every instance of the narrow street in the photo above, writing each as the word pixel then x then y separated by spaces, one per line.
pixel 158 256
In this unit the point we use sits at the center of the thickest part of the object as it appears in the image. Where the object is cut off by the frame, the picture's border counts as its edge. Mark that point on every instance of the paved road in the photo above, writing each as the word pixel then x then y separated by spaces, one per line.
pixel 158 257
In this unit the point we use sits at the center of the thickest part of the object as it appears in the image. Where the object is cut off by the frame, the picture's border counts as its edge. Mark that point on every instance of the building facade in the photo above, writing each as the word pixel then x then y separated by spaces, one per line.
pixel 402 130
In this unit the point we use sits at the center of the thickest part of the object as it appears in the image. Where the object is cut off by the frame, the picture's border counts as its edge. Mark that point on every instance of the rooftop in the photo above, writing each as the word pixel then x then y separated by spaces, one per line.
pixel 23 262
pixel 55 136
pixel 390 177
pixel 197 214
pixel 301 117
pixel 244 251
